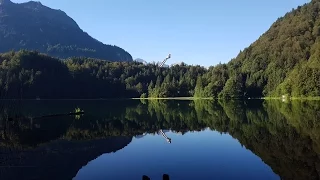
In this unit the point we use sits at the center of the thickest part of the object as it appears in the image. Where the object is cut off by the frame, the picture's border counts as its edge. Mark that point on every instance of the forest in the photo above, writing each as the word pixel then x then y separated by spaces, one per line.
pixel 26 74
pixel 285 60
pixel 30 75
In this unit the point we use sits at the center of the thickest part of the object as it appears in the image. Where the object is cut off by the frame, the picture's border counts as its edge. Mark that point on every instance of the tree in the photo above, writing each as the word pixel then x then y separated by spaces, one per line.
pixel 198 91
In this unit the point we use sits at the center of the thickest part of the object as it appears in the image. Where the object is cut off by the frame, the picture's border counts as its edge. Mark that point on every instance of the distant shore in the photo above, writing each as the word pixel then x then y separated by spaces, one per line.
pixel 290 98
pixel 174 98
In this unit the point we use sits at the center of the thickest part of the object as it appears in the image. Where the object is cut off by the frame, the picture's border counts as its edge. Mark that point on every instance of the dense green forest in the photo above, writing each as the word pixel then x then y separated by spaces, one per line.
pixel 284 135
pixel 283 61
pixel 33 26
pixel 27 74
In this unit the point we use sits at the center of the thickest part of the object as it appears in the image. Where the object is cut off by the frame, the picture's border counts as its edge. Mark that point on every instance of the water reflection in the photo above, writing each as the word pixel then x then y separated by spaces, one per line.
pixel 165 136
pixel 285 136
pixel 164 177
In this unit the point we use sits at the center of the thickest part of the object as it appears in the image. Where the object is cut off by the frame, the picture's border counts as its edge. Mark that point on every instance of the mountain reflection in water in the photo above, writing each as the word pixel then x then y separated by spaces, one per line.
pixel 286 136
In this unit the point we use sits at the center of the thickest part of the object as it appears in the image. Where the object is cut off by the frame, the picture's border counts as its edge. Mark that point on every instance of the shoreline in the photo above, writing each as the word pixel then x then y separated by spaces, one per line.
pixel 174 98
pixel 168 98
pixel 291 98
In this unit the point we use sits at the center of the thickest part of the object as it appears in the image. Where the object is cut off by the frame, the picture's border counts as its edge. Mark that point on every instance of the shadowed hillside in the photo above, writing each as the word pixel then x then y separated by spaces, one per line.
pixel 34 26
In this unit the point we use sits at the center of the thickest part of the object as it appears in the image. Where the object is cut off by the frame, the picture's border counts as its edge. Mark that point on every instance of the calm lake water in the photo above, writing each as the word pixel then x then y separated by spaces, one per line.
pixel 184 139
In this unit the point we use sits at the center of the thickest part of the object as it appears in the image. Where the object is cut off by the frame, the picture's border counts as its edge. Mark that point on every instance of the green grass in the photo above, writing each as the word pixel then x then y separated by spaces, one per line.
pixel 305 98
pixel 173 98
pixel 183 98
pixel 206 98
pixel 270 98
pixel 292 98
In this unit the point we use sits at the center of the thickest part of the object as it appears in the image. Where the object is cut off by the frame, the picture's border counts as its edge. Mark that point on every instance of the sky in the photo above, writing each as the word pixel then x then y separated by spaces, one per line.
pixel 203 32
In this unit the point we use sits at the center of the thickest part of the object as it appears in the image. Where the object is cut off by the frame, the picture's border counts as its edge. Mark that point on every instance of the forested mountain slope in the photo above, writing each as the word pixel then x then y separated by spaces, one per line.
pixel 33 26
pixel 284 60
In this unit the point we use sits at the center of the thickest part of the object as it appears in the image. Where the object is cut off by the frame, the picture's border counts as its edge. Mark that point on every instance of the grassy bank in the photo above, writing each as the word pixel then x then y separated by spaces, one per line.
pixel 173 98
pixel 291 98
pixel 206 98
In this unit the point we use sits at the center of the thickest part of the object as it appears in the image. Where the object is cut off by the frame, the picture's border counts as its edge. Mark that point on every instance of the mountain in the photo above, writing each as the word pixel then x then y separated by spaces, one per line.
pixel 33 26
pixel 145 62
pixel 285 60
pixel 282 59
pixel 47 158
pixel 141 61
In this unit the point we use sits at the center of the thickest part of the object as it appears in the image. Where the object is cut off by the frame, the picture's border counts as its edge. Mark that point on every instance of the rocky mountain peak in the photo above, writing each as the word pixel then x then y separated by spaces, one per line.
pixel 5 2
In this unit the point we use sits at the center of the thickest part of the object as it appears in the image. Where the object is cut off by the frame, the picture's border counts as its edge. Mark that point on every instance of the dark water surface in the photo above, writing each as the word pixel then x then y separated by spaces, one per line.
pixel 184 139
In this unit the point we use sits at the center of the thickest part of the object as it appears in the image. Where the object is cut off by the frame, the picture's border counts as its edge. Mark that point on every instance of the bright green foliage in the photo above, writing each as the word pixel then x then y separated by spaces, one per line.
pixel 143 96
pixel 284 60
pixel 304 80
pixel 199 89
pixel 234 88
pixel 27 74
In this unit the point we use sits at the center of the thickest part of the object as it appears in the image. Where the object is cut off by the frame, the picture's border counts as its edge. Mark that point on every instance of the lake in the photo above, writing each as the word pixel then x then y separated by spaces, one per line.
pixel 185 139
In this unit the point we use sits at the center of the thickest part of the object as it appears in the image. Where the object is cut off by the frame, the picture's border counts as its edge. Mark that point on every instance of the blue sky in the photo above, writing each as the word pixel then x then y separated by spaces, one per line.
pixel 203 32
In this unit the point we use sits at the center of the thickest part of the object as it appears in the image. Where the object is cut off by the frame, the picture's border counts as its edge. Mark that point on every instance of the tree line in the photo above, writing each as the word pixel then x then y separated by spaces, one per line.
pixel 28 74
pixel 285 60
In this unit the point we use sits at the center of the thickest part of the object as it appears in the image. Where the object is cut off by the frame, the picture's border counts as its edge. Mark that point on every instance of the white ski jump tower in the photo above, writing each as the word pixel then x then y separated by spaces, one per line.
pixel 161 132
pixel 165 60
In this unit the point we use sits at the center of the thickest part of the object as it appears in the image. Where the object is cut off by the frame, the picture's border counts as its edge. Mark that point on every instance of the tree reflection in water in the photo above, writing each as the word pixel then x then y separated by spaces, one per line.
pixel 286 136
pixel 164 177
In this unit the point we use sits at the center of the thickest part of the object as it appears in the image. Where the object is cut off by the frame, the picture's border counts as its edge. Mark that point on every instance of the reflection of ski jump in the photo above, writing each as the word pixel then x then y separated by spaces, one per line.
pixel 165 136
pixel 162 133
